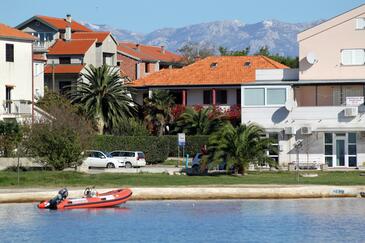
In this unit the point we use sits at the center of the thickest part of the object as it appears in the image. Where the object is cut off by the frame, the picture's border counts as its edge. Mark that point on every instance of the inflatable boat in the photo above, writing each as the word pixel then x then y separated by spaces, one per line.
pixel 92 199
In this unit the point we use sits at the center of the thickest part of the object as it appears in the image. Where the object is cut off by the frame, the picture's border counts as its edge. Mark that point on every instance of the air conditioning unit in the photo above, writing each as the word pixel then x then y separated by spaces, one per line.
pixel 289 130
pixel 351 111
pixel 306 130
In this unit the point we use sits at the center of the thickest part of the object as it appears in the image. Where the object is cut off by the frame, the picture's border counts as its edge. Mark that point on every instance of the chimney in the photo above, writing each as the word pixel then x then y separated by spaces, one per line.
pixel 197 58
pixel 68 28
pixel 69 18
pixel 163 49
pixel 137 47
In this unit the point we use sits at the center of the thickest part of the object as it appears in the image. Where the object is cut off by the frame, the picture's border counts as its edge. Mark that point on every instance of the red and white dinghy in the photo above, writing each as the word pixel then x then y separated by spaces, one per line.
pixel 91 200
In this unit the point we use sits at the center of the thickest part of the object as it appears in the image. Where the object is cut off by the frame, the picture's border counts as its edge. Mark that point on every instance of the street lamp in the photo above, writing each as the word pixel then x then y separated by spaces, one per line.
pixel 298 144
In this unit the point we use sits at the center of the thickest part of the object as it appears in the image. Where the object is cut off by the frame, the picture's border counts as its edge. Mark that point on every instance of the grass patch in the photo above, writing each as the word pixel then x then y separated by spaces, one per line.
pixel 59 179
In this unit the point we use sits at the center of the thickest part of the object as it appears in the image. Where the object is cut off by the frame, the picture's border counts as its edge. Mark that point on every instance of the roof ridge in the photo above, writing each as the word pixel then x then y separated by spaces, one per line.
pixel 273 62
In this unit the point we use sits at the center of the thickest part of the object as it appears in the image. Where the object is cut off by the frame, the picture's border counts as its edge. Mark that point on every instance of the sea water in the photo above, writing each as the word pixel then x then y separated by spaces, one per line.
pixel 305 220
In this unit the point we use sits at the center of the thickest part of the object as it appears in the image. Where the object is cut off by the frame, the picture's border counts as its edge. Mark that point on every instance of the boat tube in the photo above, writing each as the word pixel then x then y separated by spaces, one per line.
pixel 92 199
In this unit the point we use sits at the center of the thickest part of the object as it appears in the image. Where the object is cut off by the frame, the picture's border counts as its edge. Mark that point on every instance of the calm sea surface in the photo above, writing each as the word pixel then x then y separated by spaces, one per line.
pixel 309 220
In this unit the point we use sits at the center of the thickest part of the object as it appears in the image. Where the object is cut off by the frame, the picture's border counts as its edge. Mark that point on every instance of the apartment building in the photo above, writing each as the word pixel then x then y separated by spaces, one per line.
pixel 316 112
pixel 69 48
pixel 17 86
pixel 137 61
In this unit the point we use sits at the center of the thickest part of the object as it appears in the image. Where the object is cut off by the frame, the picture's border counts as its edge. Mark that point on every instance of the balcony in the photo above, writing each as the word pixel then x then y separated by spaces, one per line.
pixel 17 107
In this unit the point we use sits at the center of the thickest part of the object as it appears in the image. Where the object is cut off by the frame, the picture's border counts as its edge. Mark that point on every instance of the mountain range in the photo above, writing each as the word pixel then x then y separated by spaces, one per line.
pixel 280 37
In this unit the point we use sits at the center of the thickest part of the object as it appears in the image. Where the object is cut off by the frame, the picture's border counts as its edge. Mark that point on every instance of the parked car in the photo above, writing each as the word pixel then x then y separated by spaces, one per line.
pixel 96 158
pixel 129 159
pixel 195 164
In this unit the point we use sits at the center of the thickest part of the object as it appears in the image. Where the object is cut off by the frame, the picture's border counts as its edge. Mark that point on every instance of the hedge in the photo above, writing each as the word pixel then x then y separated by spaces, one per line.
pixel 192 146
pixel 156 149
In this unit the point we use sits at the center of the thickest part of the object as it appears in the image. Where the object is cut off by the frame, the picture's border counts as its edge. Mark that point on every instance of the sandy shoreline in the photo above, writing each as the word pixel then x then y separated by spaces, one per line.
pixel 197 192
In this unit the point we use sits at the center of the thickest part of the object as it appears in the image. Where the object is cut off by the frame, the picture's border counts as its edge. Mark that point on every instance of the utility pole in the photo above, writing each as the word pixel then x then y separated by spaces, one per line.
pixel 53 78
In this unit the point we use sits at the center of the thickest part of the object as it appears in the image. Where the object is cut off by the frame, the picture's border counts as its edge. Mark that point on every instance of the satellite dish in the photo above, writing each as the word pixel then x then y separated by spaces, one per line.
pixel 289 104
pixel 311 58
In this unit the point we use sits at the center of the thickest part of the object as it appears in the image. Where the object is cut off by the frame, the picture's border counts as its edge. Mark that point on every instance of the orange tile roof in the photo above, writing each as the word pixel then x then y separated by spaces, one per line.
pixel 99 36
pixel 63 68
pixel 149 52
pixel 9 32
pixel 61 23
pixel 39 57
pixel 229 70
pixel 72 47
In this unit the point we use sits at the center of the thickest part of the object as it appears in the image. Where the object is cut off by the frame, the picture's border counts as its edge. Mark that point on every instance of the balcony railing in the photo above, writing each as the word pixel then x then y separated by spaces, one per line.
pixel 17 107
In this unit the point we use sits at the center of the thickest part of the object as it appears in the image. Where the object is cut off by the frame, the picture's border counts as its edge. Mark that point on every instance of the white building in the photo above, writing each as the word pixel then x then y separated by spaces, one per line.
pixel 16 74
pixel 322 103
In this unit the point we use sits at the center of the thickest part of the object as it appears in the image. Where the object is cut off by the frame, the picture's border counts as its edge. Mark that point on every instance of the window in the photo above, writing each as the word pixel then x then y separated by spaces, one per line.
pixel 352 150
pixel 146 67
pixel 221 97
pixel 254 96
pixel 360 23
pixel 207 97
pixel 328 149
pixel 326 95
pixel 65 60
pixel 264 96
pixel 9 52
pixel 238 96
pixel 353 57
pixel 276 96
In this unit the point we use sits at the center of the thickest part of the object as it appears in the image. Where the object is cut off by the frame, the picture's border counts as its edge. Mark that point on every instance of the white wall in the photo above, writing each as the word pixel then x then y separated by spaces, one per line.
pixel 38 79
pixel 18 73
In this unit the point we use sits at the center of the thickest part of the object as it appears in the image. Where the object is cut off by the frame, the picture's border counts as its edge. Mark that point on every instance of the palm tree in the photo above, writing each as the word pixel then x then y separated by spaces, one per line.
pixel 239 146
pixel 158 111
pixel 103 97
pixel 200 122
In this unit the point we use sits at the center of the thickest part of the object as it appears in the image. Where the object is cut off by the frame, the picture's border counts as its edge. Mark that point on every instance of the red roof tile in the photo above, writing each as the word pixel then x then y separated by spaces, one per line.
pixel 9 32
pixel 39 57
pixel 214 70
pixel 145 52
pixel 61 23
pixel 72 47
pixel 99 36
pixel 63 68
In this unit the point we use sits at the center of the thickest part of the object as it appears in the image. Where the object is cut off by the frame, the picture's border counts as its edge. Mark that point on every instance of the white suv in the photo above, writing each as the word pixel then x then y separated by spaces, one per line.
pixel 129 158
pixel 95 158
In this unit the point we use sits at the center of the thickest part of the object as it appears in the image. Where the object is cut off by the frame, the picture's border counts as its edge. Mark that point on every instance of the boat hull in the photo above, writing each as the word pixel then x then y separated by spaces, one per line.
pixel 108 199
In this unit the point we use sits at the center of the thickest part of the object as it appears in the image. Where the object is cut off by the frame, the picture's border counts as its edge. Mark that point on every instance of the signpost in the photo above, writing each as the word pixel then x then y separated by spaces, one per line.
pixel 354 101
pixel 180 143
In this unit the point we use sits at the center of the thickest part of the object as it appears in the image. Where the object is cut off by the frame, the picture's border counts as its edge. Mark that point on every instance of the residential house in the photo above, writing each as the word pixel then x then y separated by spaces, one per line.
pixel 316 115
pixel 137 61
pixel 49 29
pixel 69 47
pixel 213 81
pixel 16 78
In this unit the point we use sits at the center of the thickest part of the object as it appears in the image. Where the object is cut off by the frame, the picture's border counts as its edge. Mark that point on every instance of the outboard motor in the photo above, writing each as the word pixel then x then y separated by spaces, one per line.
pixel 62 194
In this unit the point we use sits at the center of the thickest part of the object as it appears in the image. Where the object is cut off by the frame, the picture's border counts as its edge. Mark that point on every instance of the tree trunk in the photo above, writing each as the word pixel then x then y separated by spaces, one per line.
pixel 100 124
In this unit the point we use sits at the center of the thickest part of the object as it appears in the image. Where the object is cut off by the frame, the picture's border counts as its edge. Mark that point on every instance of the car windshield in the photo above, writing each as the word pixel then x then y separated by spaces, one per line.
pixel 108 155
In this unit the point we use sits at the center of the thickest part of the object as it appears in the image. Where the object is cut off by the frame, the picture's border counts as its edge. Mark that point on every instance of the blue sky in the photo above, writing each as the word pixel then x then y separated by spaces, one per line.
pixel 147 15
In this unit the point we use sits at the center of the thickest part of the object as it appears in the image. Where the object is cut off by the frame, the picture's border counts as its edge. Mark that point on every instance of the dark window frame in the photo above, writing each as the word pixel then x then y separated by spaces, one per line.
pixel 221 97
pixel 207 97
pixel 65 60
pixel 9 52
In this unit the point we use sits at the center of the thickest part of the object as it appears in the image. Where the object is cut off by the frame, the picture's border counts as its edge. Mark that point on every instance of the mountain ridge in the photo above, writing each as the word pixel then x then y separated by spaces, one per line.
pixel 278 36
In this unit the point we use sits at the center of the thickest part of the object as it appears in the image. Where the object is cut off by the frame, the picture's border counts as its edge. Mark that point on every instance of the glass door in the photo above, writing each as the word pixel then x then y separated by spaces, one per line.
pixel 340 151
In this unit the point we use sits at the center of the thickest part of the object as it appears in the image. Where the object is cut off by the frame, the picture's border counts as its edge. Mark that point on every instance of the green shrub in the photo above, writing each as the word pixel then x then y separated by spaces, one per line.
pixel 10 136
pixel 156 149
pixel 58 142
pixel 192 146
